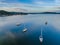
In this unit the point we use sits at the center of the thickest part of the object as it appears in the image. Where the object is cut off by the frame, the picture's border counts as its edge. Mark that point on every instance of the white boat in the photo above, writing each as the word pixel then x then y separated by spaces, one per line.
pixel 25 30
pixel 41 37
pixel 17 24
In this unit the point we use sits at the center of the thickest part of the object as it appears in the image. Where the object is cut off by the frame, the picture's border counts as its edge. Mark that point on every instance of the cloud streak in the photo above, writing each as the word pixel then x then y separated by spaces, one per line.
pixel 57 2
pixel 36 5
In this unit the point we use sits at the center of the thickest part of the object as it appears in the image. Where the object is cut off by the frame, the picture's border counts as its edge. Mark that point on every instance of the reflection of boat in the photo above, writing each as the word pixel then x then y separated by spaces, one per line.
pixel 17 24
pixel 41 37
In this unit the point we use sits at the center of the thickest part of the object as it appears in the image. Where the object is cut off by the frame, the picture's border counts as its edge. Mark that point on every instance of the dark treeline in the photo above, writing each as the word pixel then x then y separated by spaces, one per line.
pixel 45 13
pixel 6 13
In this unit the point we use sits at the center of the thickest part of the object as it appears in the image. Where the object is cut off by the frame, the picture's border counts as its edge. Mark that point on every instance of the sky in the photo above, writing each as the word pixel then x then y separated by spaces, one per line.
pixel 30 5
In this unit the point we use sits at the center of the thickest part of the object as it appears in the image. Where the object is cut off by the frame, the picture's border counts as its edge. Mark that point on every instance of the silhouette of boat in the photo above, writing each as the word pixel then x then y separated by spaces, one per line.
pixel 46 23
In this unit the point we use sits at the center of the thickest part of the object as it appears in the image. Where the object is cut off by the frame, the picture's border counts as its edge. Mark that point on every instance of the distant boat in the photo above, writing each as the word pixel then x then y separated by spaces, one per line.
pixel 17 24
pixel 46 23
pixel 41 37
pixel 25 30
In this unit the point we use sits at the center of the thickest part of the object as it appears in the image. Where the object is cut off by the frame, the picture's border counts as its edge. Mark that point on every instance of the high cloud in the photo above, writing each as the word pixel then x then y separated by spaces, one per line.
pixel 36 5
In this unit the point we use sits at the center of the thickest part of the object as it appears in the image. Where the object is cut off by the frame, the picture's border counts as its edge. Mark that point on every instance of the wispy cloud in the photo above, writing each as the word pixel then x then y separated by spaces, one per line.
pixel 35 5
pixel 57 2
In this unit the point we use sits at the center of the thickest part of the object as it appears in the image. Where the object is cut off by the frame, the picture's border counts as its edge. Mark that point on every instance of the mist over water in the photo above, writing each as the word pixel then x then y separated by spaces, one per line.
pixel 10 34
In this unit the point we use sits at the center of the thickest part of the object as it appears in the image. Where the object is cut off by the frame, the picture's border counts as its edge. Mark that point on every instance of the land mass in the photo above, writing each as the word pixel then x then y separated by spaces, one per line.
pixel 45 13
pixel 6 13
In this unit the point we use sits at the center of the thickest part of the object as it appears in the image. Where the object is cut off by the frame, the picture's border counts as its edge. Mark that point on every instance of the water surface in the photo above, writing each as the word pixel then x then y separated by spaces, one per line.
pixel 10 34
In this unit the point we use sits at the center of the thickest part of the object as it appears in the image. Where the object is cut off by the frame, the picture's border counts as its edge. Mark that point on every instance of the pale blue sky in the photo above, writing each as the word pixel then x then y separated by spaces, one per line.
pixel 29 5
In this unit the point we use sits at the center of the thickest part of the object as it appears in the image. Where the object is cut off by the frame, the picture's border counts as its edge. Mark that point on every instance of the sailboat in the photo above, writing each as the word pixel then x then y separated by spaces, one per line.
pixel 25 29
pixel 46 23
pixel 41 37
pixel 17 24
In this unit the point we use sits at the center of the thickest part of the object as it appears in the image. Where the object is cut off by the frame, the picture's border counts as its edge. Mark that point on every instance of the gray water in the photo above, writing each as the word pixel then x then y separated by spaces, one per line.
pixel 10 34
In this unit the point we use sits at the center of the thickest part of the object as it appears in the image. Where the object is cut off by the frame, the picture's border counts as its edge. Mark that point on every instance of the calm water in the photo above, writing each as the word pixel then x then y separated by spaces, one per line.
pixel 10 34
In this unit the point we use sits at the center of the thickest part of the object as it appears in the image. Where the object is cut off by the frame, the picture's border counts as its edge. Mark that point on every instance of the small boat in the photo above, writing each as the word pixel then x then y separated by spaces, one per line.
pixel 46 23
pixel 41 37
pixel 17 24
pixel 25 30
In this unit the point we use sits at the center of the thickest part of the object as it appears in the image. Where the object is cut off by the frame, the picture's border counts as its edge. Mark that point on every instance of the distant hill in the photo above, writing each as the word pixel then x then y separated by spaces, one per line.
pixel 50 13
pixel 45 13
pixel 6 13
